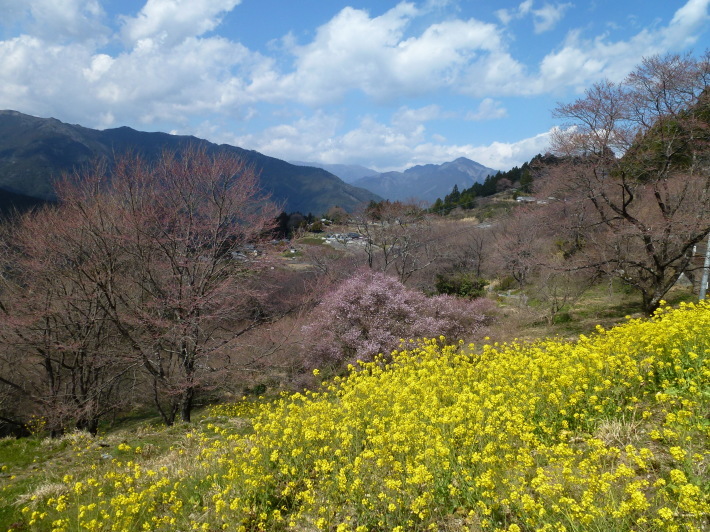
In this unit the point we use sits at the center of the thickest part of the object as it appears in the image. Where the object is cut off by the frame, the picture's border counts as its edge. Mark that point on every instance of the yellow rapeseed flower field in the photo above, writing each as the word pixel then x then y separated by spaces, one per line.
pixel 609 433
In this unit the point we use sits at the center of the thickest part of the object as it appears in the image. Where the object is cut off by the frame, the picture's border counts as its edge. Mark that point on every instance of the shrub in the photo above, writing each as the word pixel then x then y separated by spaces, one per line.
pixel 370 313
pixel 464 284
pixel 507 283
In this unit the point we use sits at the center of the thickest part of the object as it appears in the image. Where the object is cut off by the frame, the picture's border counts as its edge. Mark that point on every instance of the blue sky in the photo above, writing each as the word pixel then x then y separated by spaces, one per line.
pixel 383 84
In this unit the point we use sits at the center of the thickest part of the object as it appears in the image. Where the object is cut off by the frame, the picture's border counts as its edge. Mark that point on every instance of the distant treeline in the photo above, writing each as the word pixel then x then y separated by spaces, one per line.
pixel 520 178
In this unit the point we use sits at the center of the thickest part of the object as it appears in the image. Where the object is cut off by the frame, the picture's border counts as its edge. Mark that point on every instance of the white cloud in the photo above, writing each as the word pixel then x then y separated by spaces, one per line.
pixel 505 155
pixel 506 16
pixel 100 65
pixel 580 62
pixel 150 82
pixel 525 7
pixel 349 51
pixel 307 138
pixel 383 147
pixel 388 63
pixel 321 138
pixel 26 65
pixel 681 31
pixel 170 22
pixel 547 17
pixel 443 51
pixel 58 20
pixel 172 73
pixel 407 117
pixel 488 109
pixel 144 86
pixel 498 74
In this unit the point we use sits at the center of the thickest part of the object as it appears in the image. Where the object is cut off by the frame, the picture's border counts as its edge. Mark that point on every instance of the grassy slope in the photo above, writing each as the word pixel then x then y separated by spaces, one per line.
pixel 607 433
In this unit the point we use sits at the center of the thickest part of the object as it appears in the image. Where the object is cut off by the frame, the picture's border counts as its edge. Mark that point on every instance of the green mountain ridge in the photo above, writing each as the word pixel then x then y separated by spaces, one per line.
pixel 36 151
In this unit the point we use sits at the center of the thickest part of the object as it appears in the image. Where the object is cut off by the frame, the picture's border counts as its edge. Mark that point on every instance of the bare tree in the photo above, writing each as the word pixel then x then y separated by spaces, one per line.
pixel 557 286
pixel 518 246
pixel 467 247
pixel 63 350
pixel 636 155
pixel 191 226
pixel 150 265
pixel 398 237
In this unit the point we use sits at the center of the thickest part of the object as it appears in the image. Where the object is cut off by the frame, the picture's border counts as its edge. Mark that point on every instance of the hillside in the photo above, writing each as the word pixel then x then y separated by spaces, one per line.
pixel 11 203
pixel 426 182
pixel 608 432
pixel 347 172
pixel 35 151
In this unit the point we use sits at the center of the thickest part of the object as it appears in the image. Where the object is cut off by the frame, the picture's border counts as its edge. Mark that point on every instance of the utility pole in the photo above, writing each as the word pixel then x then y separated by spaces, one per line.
pixel 706 271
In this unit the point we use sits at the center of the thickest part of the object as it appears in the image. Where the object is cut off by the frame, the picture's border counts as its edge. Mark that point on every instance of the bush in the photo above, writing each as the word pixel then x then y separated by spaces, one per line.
pixel 507 283
pixel 563 317
pixel 370 313
pixel 464 284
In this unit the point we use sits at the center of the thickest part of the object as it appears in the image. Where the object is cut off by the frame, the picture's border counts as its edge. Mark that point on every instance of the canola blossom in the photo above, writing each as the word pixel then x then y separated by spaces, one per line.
pixel 610 432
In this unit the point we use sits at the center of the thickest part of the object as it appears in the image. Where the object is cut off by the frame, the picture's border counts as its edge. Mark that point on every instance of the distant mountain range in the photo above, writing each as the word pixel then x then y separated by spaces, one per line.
pixel 347 172
pixel 420 183
pixel 35 151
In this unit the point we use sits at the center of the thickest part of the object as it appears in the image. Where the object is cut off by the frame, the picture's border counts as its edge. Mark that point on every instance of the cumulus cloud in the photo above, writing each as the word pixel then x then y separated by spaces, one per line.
pixel 144 86
pixel 172 72
pixel 580 62
pixel 58 20
pixel 321 137
pixel 309 138
pixel 545 18
pixel 408 117
pixel 170 68
pixel 488 109
pixel 188 79
pixel 397 145
pixel 26 65
pixel 388 63
pixel 505 155
pixel 681 31
pixel 506 16
pixel 170 22
pixel 146 83
pixel 350 51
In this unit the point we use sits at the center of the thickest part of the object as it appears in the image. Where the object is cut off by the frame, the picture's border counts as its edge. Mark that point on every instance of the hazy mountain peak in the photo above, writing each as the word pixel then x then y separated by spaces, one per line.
pixel 428 181
pixel 347 172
